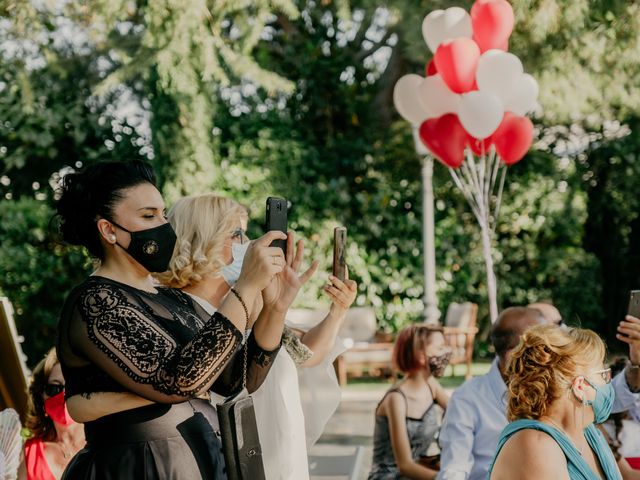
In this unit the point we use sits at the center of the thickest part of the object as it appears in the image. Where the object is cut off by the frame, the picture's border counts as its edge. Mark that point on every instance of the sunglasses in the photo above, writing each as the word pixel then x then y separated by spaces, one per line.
pixel 239 234
pixel 53 389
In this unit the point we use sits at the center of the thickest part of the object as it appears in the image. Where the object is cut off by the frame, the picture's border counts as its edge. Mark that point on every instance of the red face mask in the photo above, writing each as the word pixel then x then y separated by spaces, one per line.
pixel 57 409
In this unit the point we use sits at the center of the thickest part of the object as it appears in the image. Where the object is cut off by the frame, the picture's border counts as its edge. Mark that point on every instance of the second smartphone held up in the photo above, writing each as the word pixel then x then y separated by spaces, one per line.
pixel 339 253
pixel 276 219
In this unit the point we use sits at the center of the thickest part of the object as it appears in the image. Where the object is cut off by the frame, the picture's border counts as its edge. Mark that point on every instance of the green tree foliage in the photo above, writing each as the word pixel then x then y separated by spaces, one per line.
pixel 332 152
pixel 37 271
pixel 293 98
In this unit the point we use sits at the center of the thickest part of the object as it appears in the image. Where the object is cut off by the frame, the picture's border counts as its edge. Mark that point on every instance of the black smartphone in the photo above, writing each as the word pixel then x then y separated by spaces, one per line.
pixel 339 253
pixel 276 219
pixel 634 303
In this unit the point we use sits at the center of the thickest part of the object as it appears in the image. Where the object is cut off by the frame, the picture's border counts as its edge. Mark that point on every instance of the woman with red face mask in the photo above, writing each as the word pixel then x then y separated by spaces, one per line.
pixel 55 436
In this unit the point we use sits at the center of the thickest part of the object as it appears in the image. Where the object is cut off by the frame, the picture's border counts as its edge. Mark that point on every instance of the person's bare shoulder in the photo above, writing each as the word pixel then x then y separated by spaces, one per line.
pixel 530 455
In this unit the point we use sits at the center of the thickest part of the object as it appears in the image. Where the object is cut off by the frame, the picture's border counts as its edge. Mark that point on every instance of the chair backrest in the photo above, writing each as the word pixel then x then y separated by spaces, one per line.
pixel 360 325
pixel 305 318
pixel 460 315
pixel 347 466
pixel 14 372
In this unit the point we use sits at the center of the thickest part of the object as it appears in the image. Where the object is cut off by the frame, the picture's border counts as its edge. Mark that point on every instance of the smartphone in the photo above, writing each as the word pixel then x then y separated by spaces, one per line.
pixel 634 303
pixel 276 219
pixel 339 253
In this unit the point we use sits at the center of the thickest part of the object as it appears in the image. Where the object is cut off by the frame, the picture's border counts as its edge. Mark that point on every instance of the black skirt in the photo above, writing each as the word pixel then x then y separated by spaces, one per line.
pixel 156 442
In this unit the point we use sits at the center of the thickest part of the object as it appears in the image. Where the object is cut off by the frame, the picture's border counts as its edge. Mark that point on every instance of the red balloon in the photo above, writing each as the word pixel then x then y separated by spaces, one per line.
pixel 457 61
pixel 446 138
pixel 513 138
pixel 431 68
pixel 479 147
pixel 492 22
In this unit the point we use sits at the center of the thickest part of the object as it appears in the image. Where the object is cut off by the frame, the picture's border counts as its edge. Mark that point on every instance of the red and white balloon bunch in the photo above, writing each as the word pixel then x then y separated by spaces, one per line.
pixel 470 108
pixel 475 93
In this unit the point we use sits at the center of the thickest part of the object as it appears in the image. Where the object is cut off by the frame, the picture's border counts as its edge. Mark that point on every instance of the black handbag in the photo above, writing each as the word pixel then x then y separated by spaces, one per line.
pixel 239 431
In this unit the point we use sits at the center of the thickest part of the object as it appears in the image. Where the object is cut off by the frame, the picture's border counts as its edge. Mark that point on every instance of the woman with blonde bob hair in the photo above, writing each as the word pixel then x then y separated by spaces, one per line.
pixel 205 224
pixel 558 390
pixel 206 263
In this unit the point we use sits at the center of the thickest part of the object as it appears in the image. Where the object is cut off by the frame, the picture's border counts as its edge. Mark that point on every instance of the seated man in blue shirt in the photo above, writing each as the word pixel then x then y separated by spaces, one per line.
pixel 476 414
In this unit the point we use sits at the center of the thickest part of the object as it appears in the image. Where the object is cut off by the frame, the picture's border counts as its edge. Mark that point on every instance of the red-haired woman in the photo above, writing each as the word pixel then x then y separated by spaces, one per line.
pixel 406 420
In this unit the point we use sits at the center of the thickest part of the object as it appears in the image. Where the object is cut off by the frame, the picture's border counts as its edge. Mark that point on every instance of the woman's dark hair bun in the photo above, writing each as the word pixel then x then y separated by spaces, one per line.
pixel 86 195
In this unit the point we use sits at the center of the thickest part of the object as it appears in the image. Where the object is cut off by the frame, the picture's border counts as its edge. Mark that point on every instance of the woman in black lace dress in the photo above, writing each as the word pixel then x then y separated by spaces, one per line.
pixel 139 360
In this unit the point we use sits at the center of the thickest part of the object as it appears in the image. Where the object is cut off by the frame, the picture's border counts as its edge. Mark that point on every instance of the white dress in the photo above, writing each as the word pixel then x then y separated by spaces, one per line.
pixel 282 404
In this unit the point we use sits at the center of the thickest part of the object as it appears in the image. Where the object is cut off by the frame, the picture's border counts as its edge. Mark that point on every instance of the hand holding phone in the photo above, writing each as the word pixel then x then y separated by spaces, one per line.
pixel 634 303
pixel 339 253
pixel 276 219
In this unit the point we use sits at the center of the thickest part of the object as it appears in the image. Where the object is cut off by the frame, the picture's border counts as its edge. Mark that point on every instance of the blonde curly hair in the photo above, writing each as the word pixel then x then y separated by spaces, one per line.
pixel 544 364
pixel 202 224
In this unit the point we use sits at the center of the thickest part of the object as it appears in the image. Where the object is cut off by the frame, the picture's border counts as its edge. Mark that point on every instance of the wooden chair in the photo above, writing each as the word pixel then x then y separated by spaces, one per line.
pixel 460 332
pixel 358 332
pixel 14 372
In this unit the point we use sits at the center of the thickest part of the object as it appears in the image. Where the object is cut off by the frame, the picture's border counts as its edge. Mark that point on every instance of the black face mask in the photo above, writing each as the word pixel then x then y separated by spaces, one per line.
pixel 151 248
pixel 439 363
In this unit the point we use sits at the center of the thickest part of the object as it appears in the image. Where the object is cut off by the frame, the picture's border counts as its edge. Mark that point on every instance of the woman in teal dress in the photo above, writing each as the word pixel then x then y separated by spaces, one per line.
pixel 558 390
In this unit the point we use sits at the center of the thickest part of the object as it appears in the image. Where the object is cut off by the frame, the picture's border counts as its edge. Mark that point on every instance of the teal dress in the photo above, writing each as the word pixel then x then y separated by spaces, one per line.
pixel 578 467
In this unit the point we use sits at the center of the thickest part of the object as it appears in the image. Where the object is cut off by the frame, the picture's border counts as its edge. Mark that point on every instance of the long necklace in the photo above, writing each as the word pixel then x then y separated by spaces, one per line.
pixel 552 422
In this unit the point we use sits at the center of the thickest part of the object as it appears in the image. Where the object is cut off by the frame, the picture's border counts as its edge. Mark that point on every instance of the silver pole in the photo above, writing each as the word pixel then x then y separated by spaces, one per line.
pixel 431 312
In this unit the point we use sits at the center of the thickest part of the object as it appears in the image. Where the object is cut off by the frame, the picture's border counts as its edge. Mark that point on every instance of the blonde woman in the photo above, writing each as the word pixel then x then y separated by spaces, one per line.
pixel 558 388
pixel 208 256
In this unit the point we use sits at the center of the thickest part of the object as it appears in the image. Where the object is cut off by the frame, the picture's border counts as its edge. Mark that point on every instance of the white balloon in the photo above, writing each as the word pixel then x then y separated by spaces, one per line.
pixel 498 72
pixel 523 96
pixel 436 97
pixel 480 113
pixel 405 98
pixel 441 25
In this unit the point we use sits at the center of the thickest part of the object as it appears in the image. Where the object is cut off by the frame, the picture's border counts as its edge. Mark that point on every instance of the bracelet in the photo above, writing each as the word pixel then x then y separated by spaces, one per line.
pixel 244 306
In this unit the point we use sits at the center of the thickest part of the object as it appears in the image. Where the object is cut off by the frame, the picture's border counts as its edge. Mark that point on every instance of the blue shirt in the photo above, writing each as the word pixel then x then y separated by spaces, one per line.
pixel 475 418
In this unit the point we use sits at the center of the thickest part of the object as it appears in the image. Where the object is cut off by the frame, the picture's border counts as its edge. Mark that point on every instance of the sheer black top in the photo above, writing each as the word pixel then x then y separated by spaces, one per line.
pixel 162 346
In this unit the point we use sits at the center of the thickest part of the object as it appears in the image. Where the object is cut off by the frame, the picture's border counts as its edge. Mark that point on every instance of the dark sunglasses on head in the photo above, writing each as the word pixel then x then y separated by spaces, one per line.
pixel 53 389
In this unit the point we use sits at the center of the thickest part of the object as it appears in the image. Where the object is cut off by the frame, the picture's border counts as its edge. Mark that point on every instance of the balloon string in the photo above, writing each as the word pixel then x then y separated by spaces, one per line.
pixel 491 179
pixel 472 168
pixel 487 180
pixel 471 185
pixel 499 198
pixel 464 188
pixel 496 168
pixel 481 166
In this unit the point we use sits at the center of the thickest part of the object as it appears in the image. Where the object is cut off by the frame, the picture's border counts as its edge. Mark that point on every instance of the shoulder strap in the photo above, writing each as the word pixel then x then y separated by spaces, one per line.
pixel 391 390
pixel 578 468
pixel 599 445
pixel 406 403
pixel 433 394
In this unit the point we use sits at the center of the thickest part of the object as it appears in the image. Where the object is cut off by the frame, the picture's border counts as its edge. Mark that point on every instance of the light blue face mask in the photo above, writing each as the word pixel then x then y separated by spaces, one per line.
pixel 231 272
pixel 603 403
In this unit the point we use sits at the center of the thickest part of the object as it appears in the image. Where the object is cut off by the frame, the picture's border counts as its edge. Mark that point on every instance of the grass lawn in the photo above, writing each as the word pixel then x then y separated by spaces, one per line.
pixel 447 381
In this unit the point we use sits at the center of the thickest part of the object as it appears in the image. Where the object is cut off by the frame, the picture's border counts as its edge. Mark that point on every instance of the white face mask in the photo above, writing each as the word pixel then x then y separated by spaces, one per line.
pixel 231 272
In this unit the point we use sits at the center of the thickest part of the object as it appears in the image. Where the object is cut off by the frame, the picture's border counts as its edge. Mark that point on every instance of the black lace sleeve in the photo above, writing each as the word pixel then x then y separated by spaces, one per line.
pixel 259 363
pixel 125 340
